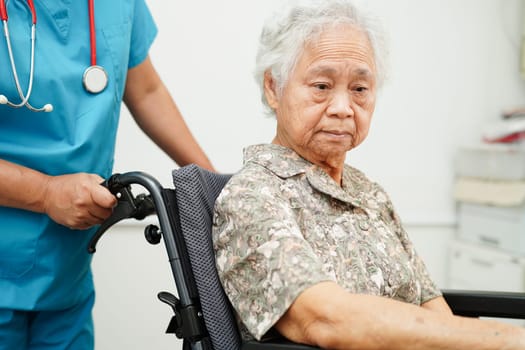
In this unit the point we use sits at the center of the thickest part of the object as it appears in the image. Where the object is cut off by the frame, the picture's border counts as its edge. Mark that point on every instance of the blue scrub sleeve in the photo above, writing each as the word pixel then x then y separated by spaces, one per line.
pixel 143 33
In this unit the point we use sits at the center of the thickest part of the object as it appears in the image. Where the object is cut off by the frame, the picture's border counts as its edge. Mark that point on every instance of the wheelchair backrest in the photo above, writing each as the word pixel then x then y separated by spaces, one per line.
pixel 196 191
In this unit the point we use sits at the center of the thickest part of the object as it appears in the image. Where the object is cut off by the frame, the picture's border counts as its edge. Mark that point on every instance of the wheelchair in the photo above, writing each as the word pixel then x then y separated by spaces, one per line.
pixel 202 314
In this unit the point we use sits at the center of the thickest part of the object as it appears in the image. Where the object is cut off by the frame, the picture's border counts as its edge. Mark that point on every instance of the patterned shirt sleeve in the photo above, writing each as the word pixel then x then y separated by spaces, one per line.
pixel 429 290
pixel 263 261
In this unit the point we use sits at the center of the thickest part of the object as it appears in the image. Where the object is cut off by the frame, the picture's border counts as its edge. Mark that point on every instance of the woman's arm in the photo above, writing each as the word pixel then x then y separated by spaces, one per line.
pixel 150 103
pixel 437 304
pixel 327 316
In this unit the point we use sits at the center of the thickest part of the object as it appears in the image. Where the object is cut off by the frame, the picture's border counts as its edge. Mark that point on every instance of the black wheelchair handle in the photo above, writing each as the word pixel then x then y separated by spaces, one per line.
pixel 128 206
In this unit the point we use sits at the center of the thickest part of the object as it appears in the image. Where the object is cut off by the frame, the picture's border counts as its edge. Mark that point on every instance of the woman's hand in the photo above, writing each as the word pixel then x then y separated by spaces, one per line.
pixel 78 201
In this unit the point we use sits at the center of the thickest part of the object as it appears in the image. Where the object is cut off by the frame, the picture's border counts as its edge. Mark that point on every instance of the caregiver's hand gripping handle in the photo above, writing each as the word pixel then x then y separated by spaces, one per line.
pixel 128 206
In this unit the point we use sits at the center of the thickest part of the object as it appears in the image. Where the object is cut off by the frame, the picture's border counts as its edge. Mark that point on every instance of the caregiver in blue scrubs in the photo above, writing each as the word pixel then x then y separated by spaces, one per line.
pixel 52 163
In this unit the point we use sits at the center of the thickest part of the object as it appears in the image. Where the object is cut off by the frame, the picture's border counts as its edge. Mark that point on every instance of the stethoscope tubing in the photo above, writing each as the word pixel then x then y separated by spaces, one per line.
pixel 24 97
pixel 92 33
pixel 93 71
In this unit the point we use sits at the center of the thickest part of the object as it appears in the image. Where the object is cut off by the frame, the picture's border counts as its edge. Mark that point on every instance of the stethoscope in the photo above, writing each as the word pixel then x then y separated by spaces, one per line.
pixel 94 79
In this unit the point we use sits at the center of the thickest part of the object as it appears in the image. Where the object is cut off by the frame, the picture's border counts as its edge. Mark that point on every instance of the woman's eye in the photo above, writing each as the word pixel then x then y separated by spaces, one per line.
pixel 321 86
pixel 361 89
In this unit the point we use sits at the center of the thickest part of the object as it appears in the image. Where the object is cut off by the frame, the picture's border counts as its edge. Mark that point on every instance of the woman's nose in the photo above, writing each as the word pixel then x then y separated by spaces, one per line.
pixel 341 105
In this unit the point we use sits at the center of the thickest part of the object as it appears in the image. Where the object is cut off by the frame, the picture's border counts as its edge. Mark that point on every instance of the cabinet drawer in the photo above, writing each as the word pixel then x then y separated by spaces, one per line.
pixel 499 227
pixel 473 266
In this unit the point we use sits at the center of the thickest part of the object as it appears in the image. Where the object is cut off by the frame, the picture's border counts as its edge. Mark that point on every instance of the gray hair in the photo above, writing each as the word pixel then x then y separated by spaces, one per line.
pixel 285 35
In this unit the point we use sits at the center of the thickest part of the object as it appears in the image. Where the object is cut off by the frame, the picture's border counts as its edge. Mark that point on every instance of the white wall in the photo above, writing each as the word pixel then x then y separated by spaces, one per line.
pixel 454 66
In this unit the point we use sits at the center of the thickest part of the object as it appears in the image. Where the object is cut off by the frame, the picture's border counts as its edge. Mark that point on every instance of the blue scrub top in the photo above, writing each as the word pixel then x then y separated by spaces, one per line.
pixel 43 265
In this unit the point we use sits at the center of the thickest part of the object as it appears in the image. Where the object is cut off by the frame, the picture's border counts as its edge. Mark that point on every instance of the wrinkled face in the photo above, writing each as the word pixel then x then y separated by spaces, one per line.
pixel 326 106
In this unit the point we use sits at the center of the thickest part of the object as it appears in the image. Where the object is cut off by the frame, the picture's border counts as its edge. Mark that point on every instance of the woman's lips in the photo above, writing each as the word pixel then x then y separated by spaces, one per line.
pixel 337 133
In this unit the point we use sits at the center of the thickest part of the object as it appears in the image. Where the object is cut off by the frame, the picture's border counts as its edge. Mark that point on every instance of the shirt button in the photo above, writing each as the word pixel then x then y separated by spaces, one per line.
pixel 364 225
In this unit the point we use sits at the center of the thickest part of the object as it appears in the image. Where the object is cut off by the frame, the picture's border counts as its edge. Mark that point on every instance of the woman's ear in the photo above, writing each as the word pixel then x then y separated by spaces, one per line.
pixel 270 90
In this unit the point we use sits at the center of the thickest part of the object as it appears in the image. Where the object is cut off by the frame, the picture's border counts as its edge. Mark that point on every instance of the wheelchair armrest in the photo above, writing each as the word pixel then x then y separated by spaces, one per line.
pixel 484 303
pixel 275 345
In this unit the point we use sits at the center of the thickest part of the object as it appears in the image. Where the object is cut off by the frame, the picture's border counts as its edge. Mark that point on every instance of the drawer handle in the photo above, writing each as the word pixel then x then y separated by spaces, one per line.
pixel 483 263
pixel 489 240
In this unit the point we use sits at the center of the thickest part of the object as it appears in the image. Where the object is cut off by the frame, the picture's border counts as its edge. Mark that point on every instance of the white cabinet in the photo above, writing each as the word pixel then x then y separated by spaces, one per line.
pixel 488 252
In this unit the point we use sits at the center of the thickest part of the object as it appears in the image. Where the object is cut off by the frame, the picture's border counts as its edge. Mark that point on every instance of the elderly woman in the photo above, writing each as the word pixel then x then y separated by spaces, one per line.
pixel 308 245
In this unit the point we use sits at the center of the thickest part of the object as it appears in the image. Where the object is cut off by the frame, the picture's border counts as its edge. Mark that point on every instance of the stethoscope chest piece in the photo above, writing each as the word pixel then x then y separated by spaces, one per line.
pixel 95 79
